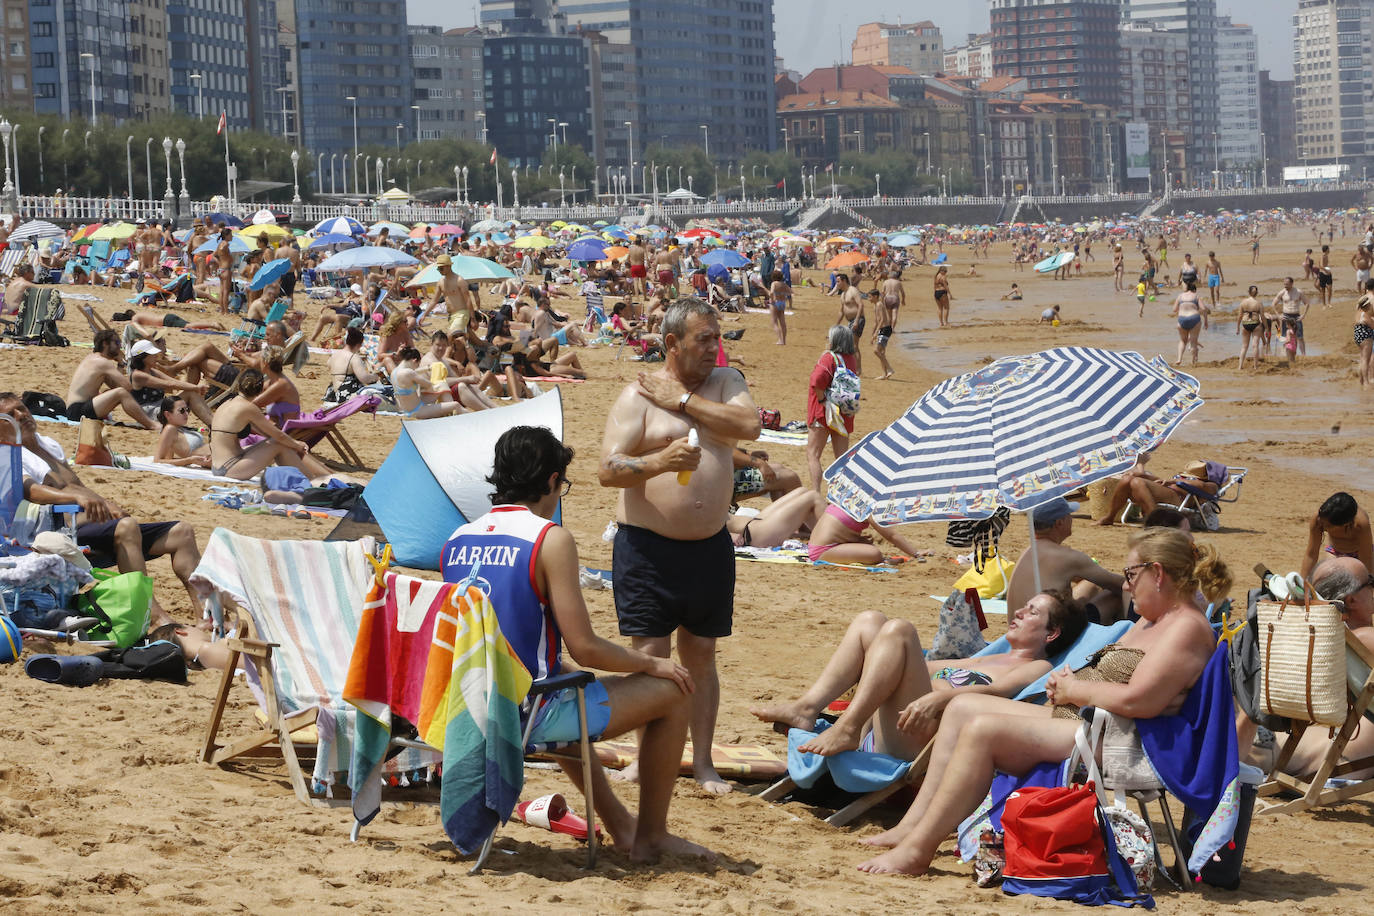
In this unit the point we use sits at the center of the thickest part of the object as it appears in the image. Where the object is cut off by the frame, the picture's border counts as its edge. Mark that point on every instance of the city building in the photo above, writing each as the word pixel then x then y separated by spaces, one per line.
pixel 535 84
pixel 1237 149
pixel 724 53
pixel 449 84
pixel 918 46
pixel 1068 49
pixel 614 99
pixel 288 51
pixel 355 75
pixel 1197 21
pixel 821 126
pixel 1332 86
pixel 16 86
pixel 223 59
pixel 1278 129
pixel 973 60
pixel 149 70
pixel 80 51
pixel 1156 91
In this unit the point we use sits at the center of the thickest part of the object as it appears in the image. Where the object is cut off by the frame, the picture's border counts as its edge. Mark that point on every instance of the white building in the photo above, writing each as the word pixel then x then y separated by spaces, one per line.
pixel 1238 119
pixel 918 46
pixel 1333 81
pixel 973 60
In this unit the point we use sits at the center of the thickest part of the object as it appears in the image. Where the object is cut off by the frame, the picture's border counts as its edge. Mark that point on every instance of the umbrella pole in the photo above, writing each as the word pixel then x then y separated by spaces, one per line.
pixel 1034 554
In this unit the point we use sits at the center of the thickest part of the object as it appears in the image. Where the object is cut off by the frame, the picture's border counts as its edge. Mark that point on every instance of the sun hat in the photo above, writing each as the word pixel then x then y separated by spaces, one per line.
pixel 444 261
pixel 1197 468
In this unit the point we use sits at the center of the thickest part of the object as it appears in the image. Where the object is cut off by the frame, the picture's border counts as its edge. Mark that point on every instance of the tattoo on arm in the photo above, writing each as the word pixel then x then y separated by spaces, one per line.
pixel 622 463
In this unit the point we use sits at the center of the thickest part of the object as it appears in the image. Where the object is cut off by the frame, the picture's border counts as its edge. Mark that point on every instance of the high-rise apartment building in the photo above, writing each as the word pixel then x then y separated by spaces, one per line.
pixel 1197 21
pixel 355 77
pixel 288 52
pixel 149 60
pixel 1278 129
pixel 1068 49
pixel 223 58
pixel 16 86
pixel 536 85
pixel 918 46
pixel 614 94
pixel 723 51
pixel 1238 101
pixel 449 86
pixel 973 60
pixel 72 41
pixel 1332 86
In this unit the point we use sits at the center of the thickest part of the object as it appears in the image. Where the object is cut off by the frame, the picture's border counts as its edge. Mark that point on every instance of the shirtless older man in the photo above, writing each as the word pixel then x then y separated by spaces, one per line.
pixel 21 284
pixel 85 397
pixel 674 563
pixel 1060 566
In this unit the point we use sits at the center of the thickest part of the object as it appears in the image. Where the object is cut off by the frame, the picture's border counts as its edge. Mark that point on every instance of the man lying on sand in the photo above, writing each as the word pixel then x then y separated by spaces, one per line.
pixel 531 567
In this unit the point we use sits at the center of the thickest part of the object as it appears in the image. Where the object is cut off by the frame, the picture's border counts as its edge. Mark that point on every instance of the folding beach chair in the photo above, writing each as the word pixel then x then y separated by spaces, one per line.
pixel 37 320
pixel 10 259
pixel 304 600
pixel 323 424
pixel 876 777
pixel 254 328
pixel 1197 503
pixel 1359 678
pixel 430 662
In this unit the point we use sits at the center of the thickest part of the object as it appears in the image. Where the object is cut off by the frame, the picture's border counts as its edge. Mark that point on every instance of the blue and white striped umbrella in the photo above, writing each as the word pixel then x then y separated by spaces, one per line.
pixel 1016 433
pixel 338 225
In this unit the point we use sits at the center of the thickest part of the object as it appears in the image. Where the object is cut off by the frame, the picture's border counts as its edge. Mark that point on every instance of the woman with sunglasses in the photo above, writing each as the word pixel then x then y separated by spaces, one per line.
pixel 1145 674
pixel 177 444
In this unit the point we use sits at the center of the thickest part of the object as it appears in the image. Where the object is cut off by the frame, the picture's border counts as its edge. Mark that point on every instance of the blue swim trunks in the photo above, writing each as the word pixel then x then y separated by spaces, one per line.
pixel 556 721
pixel 1213 280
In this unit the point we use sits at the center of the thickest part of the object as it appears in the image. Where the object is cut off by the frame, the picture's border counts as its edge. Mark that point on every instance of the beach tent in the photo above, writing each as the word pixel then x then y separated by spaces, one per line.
pixel 434 480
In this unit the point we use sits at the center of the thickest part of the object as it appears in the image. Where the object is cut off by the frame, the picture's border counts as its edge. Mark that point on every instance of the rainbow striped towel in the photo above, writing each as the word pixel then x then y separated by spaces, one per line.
pixel 470 709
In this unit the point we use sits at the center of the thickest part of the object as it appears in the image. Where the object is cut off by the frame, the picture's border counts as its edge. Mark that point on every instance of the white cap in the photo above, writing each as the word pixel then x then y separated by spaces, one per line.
pixel 356 290
pixel 144 346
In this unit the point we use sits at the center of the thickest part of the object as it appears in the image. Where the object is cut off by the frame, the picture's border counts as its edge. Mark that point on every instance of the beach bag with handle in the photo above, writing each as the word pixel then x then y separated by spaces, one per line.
pixel 1302 661
pixel 844 388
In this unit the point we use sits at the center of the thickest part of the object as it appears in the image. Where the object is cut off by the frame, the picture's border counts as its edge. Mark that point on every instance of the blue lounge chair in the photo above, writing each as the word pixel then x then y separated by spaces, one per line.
pixel 876 777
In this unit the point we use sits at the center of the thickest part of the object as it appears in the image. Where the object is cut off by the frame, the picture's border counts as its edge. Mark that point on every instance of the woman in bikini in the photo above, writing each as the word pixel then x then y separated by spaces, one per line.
pixel 417 397
pixel 1249 318
pixel 177 445
pixel 942 295
pixel 239 417
pixel 838 537
pixel 779 300
pixel 1192 320
pixel 1364 333
pixel 1147 673
pixel 899 697
pixel 780 520
pixel 280 399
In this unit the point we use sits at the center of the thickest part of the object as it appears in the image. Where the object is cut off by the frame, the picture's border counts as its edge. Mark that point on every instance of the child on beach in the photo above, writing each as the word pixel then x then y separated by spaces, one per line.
pixel 1140 295
pixel 1014 294
pixel 1050 316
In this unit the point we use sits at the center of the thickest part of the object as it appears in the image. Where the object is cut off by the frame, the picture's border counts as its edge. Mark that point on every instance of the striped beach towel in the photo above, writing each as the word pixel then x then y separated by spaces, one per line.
pixel 386 674
pixel 306 596
pixel 470 707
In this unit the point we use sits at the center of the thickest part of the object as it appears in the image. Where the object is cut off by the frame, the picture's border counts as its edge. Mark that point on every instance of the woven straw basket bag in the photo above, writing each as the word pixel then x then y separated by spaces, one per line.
pixel 1302 650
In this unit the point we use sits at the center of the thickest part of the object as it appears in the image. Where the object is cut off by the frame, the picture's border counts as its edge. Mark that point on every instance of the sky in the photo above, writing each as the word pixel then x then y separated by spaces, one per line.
pixel 817 33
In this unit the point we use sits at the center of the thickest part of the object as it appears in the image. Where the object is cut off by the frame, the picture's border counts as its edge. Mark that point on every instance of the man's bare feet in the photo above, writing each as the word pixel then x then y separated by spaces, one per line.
pixel 792 715
pixel 669 846
pixel 893 862
pixel 832 741
pixel 707 777
pixel 888 838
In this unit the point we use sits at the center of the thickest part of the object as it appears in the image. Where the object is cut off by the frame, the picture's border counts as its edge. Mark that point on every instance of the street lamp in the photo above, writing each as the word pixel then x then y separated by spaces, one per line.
pixel 706 139
pixel 167 153
pixel 926 134
pixel 147 164
pixel 877 186
pixel 379 177
pixel 129 164
pixel 467 193
pixel 332 157
pixel 986 189
pixel 631 126
pixel 785 149
pixel 354 100
pixel 17 192
pixel 295 176
pixel 457 184
pixel 283 90
pixel 92 58
pixel 319 173
pixel 200 95
pixel 5 129
pixel 185 202
pixel 564 125
pixel 553 131
pixel 367 169
pixel 399 128
pixel 515 188
pixel 41 180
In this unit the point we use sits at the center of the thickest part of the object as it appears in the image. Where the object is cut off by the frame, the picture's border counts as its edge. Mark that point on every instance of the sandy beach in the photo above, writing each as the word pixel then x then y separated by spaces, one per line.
pixel 104 807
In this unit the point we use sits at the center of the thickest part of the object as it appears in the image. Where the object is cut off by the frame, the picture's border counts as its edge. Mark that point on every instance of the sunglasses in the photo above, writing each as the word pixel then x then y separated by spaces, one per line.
pixel 1131 572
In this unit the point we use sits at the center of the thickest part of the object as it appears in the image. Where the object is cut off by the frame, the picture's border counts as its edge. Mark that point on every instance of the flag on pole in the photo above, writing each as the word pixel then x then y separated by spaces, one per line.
pixel 781 183
pixel 223 122
pixel 492 160
pixel 830 167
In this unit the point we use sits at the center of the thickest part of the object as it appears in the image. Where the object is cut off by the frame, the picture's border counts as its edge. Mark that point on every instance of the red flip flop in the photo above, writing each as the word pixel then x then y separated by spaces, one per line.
pixel 551 812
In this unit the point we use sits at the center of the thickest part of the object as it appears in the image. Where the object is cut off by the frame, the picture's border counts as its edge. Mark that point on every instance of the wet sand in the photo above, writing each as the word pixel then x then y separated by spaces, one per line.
pixel 104 807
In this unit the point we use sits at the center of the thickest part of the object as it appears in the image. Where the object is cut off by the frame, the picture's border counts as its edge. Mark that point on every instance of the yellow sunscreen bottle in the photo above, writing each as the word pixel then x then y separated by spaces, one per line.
pixel 684 476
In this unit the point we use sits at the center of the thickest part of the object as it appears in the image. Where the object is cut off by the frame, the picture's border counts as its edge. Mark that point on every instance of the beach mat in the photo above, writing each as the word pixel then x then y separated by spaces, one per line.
pixel 798 558
pixel 782 437
pixel 146 464
pixel 735 761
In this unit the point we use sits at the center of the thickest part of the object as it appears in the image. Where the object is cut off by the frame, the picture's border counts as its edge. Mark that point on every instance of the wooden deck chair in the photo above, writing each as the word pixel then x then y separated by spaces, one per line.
pixel 1093 638
pixel 1359 666
pixel 304 601
pixel 323 424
